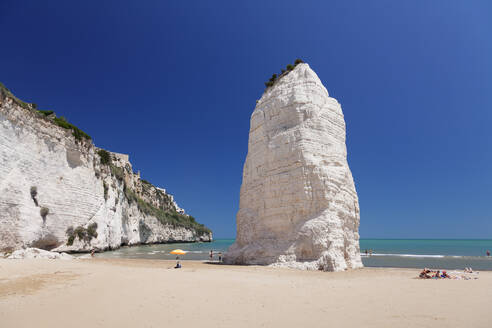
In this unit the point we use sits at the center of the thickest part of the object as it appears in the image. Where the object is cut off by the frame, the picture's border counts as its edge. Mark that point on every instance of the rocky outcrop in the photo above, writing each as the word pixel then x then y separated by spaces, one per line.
pixel 298 204
pixel 36 253
pixel 59 192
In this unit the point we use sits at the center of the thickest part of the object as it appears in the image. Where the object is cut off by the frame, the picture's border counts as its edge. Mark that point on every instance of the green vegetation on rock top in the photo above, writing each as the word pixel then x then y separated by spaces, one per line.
pixel 60 121
pixel 6 93
pixel 284 72
pixel 76 132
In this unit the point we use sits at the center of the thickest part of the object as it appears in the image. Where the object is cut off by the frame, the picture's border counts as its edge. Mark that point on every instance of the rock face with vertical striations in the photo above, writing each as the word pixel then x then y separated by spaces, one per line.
pixel 298 204
pixel 59 192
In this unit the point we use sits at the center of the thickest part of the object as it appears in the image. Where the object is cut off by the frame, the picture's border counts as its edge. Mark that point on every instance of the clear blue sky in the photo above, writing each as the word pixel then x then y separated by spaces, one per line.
pixel 173 83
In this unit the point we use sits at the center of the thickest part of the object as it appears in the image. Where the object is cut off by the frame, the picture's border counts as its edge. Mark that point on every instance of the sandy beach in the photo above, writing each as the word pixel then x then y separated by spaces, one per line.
pixel 146 293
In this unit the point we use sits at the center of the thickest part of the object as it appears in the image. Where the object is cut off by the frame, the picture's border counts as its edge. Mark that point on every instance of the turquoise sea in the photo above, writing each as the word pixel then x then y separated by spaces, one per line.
pixel 400 253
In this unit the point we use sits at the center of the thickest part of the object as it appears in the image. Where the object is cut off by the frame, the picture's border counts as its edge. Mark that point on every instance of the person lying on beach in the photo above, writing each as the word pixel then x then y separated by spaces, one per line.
pixel 445 275
pixel 425 274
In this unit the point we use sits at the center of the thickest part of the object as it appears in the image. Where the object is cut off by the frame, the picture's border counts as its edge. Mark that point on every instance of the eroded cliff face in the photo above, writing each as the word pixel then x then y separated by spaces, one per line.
pixel 298 203
pixel 56 194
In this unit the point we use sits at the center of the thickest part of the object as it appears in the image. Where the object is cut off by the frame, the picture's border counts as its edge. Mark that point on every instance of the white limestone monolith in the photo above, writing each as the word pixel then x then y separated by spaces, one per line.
pixel 298 203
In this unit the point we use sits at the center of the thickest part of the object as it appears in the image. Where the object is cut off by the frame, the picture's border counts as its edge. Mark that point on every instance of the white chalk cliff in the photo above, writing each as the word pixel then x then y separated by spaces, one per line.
pixel 56 193
pixel 298 203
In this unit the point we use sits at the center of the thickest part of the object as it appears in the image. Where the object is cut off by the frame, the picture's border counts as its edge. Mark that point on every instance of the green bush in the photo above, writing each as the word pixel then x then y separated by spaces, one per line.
pixel 91 230
pixel 286 71
pixel 44 212
pixel 71 236
pixel 45 112
pixel 106 188
pixel 70 240
pixel 76 132
pixel 34 193
pixel 105 156
pixel 80 232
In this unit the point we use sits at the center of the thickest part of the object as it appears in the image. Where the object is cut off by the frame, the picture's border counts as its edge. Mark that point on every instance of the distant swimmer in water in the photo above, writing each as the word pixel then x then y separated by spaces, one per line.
pixel 370 252
pixel 211 255
pixel 488 253
pixel 366 251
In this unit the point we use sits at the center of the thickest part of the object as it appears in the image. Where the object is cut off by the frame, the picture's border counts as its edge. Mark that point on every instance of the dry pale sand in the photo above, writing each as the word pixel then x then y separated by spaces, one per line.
pixel 144 293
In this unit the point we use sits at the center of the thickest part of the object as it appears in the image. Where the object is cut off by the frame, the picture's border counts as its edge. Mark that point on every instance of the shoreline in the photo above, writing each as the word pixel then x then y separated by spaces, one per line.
pixel 109 249
pixel 102 292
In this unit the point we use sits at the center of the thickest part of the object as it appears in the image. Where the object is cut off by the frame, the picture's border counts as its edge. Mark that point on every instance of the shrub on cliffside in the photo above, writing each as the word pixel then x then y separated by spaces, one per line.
pixel 83 234
pixel 106 188
pixel 34 193
pixel 44 212
pixel 91 230
pixel 105 156
pixel 171 217
pixel 46 112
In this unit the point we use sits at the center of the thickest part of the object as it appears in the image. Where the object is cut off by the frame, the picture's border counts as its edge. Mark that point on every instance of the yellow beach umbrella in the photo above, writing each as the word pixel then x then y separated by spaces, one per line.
pixel 178 252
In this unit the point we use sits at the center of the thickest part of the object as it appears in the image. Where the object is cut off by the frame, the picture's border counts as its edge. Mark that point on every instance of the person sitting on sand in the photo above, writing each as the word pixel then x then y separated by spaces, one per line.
pixel 445 275
pixel 178 265
pixel 437 275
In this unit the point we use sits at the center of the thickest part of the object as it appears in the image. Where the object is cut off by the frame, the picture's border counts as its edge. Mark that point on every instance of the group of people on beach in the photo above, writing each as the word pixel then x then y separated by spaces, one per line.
pixel 429 274
pixel 438 274
pixel 211 254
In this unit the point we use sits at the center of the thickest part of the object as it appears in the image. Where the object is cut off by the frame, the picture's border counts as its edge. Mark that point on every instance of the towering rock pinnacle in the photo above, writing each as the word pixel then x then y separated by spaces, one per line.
pixel 298 204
